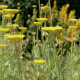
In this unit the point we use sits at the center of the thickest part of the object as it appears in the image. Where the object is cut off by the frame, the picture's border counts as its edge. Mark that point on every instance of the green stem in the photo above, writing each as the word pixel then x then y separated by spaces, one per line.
pixel 58 68
pixel 37 34
pixel 39 8
pixel 45 17
pixel 72 54
pixel 57 61
pixel 2 20
pixel 18 63
pixel 34 45
pixel 2 58
pixel 2 65
pixel 50 12
pixel 11 59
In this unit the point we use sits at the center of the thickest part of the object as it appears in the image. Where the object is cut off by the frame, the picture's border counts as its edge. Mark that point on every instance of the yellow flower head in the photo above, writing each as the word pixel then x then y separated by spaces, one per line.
pixel 71 16
pixel 60 35
pixel 61 17
pixel 8 16
pixel 3 30
pixel 45 8
pixel 69 30
pixel 59 41
pixel 67 6
pixel 58 28
pixel 55 4
pixel 10 11
pixel 74 27
pixel 42 19
pixel 2 45
pixel 37 23
pixel 15 37
pixel 78 24
pixel 34 6
pixel 74 34
pixel 37 40
pixel 18 4
pixel 3 6
pixel 39 61
pixel 22 28
pixel 52 29
pixel 73 20
pixel 1 11
pixel 65 18
pixel 12 25
pixel 48 29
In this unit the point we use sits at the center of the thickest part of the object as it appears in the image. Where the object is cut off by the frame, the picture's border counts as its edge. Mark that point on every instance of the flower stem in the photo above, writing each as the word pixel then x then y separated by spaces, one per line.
pixel 72 54
pixel 18 63
pixel 39 8
pixel 57 61
pixel 50 12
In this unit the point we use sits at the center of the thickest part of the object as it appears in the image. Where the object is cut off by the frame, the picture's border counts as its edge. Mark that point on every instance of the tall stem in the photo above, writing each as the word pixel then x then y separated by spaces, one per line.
pixel 58 62
pixel 50 12
pixel 18 63
pixel 2 58
pixel 72 54
pixel 45 17
pixel 37 34
pixel 39 9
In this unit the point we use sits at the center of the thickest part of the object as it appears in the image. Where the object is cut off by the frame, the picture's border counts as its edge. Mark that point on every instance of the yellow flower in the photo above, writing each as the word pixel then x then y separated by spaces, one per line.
pixel 78 24
pixel 74 34
pixel 18 4
pixel 1 11
pixel 10 11
pixel 67 6
pixel 61 17
pixel 48 28
pixel 69 30
pixel 39 61
pixel 58 28
pixel 3 6
pixel 52 28
pixel 73 20
pixel 37 40
pixel 71 16
pixel 42 19
pixel 59 41
pixel 12 25
pixel 2 45
pixel 65 18
pixel 22 28
pixel 75 27
pixel 8 15
pixel 63 14
pixel 45 8
pixel 37 23
pixel 55 4
pixel 60 35
pixel 34 6
pixel 15 37
pixel 4 30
